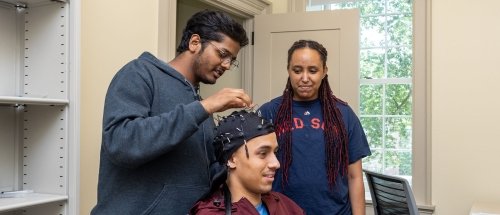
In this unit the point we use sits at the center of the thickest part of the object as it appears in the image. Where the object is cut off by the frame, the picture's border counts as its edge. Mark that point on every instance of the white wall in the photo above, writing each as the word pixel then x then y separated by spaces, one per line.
pixel 465 104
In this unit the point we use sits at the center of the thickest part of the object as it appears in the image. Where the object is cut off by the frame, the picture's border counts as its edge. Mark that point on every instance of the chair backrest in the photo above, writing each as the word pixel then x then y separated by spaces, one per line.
pixel 391 194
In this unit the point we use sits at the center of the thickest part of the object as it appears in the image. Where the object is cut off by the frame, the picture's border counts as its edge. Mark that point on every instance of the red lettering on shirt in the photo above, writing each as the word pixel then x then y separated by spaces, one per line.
pixel 315 123
pixel 298 123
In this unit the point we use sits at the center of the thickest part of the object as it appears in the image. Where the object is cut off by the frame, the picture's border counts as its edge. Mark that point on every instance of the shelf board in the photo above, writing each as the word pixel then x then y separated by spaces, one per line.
pixel 28 2
pixel 32 199
pixel 16 100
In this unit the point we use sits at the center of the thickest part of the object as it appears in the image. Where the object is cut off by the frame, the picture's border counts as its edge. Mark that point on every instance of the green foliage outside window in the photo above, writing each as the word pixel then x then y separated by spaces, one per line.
pixel 386 81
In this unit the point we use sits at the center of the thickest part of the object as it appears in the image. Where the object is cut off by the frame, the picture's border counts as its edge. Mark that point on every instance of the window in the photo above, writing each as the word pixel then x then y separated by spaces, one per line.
pixel 392 86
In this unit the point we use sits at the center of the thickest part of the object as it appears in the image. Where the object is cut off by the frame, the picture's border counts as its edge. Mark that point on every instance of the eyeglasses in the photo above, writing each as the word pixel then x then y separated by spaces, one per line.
pixel 226 57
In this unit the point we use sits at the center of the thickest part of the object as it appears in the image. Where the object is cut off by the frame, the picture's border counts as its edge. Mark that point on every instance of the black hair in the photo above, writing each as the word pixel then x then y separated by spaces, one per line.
pixel 308 44
pixel 211 26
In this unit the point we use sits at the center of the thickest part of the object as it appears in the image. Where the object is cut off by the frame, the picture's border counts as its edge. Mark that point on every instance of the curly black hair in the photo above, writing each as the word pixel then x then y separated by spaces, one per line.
pixel 211 26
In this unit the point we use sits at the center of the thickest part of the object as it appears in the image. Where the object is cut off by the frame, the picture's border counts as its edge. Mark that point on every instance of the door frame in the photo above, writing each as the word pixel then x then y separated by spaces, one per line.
pixel 167 19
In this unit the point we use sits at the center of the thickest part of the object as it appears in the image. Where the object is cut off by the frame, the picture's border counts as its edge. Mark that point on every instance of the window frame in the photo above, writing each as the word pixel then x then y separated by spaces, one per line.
pixel 421 165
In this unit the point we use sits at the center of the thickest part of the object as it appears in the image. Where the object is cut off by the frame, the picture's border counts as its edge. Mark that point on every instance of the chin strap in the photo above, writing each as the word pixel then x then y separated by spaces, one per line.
pixel 227 199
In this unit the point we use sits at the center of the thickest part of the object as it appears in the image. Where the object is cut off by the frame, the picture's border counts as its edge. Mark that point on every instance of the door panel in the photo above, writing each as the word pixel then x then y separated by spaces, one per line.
pixel 337 30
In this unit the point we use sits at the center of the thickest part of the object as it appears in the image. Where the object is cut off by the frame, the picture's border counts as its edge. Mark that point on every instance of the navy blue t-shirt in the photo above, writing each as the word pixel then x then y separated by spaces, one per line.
pixel 307 180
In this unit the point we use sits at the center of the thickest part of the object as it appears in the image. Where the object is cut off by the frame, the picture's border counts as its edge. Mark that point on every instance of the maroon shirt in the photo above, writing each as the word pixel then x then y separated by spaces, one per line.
pixel 276 204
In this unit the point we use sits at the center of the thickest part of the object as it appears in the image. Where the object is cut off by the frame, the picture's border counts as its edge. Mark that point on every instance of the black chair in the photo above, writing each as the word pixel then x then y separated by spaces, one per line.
pixel 391 195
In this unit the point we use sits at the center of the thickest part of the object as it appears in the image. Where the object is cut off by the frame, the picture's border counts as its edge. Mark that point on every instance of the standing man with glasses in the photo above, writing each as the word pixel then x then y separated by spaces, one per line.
pixel 157 131
pixel 226 57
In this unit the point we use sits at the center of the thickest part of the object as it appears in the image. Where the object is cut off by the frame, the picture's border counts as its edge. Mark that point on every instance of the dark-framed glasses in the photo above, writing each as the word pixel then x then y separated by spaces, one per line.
pixel 226 57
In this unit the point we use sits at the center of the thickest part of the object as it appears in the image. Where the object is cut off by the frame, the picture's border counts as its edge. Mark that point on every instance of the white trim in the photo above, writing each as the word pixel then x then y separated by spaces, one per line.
pixel 167 17
pixel 421 105
pixel 386 81
pixel 244 8
pixel 74 109
pixel 428 99
pixel 247 60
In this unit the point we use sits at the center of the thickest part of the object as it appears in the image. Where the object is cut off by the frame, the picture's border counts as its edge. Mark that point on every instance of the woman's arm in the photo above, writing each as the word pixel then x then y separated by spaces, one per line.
pixel 356 188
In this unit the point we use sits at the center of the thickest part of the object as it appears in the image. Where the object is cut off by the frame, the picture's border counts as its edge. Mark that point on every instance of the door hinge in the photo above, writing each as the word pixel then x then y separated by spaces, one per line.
pixel 252 38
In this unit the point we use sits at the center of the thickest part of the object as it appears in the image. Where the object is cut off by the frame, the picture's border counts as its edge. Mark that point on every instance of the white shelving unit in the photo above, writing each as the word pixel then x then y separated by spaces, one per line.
pixel 39 94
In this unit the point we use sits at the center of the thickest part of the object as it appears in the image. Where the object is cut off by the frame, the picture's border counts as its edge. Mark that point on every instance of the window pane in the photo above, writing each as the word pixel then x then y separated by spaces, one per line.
pixel 315 8
pixel 344 5
pixel 399 62
pixel 397 163
pixel 399 6
pixel 372 63
pixel 399 30
pixel 374 162
pixel 373 130
pixel 398 99
pixel 369 7
pixel 398 133
pixel 371 99
pixel 372 31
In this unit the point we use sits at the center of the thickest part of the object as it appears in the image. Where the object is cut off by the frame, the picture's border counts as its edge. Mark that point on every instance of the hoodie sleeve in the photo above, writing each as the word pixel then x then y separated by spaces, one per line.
pixel 131 136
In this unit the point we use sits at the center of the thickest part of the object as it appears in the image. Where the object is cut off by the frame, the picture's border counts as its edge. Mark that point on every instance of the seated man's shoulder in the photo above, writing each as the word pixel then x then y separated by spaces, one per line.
pixel 282 203
pixel 214 204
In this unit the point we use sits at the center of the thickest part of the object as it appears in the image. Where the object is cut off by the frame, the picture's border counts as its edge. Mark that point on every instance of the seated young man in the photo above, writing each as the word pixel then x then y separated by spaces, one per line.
pixel 245 147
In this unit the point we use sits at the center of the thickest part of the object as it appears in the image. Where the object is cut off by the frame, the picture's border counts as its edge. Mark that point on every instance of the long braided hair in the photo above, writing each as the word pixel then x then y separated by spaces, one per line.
pixel 335 134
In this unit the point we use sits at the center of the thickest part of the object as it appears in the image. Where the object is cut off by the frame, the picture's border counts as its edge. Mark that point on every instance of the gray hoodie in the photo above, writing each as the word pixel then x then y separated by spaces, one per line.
pixel 156 142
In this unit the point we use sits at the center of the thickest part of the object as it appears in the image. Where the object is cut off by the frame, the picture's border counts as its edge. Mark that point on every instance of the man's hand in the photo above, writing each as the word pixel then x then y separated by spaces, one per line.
pixel 225 99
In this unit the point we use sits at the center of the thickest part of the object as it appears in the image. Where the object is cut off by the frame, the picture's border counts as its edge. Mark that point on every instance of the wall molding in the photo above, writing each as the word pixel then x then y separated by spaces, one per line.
pixel 244 8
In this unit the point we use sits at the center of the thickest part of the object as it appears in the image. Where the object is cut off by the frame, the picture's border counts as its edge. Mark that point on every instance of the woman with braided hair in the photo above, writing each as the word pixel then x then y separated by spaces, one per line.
pixel 321 140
